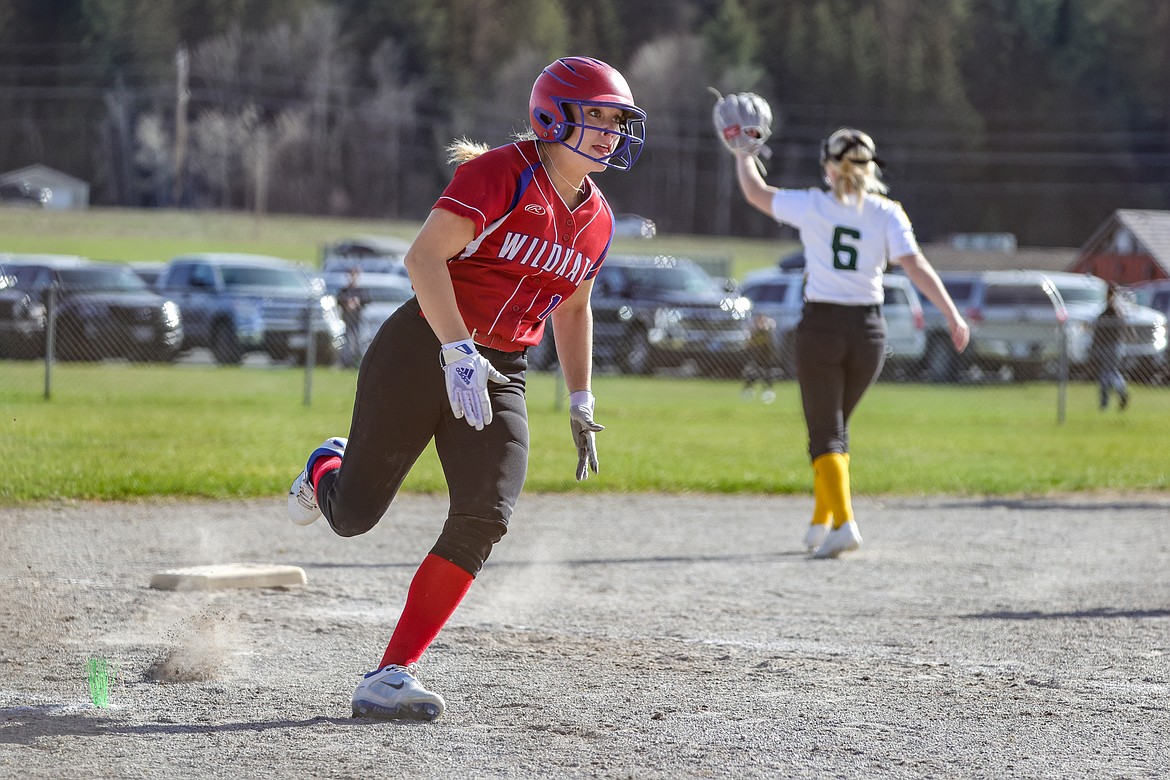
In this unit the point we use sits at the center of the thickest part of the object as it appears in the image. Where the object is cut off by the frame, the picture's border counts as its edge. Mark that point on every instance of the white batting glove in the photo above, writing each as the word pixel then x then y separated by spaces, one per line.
pixel 583 427
pixel 467 373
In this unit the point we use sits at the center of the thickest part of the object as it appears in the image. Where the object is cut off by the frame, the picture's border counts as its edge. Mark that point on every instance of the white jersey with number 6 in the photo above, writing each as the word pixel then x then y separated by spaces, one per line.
pixel 845 248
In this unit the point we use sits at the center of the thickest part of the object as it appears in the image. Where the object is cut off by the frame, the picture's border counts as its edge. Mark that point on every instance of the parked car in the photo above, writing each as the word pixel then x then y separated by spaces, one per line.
pixel 148 271
pixel 23 311
pixel 633 226
pixel 1144 351
pixel 1016 319
pixel 905 325
pixel 658 311
pixel 101 310
pixel 369 254
pixel 940 361
pixel 240 303
pixel 1154 294
pixel 778 293
pixel 21 193
pixel 381 296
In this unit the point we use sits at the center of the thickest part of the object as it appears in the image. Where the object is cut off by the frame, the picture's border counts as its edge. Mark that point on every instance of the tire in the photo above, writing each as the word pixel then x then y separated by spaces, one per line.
pixel 325 355
pixel 278 352
pixel 225 347
pixel 941 363
pixel 155 355
pixel 639 355
pixel 327 352
pixel 70 341
pixel 788 354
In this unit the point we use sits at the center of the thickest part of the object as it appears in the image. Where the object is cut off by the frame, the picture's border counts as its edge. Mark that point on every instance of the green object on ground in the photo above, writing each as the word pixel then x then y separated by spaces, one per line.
pixel 100 674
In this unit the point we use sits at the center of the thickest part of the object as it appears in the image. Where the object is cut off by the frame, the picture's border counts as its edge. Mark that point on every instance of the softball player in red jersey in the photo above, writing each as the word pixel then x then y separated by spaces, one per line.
pixel 848 232
pixel 515 239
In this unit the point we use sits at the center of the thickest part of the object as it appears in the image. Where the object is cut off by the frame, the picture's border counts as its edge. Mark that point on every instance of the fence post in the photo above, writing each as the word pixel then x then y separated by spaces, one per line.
pixel 310 351
pixel 1062 374
pixel 50 337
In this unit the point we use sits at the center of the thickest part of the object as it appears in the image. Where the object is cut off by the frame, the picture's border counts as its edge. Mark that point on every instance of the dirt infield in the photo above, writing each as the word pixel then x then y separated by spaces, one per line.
pixel 609 636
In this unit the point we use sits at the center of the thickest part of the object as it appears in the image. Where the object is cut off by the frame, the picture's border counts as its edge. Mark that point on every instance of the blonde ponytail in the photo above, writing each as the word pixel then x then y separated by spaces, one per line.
pixel 462 149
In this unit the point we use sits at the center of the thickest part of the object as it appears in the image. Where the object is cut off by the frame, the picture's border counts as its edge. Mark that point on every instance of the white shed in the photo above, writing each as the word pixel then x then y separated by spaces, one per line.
pixel 69 192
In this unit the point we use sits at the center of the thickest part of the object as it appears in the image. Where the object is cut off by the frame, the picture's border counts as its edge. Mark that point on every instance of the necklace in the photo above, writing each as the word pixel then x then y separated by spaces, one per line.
pixel 547 159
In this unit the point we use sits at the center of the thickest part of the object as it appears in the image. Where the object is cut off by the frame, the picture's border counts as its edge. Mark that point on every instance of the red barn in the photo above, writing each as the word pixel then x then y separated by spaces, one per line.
pixel 1131 247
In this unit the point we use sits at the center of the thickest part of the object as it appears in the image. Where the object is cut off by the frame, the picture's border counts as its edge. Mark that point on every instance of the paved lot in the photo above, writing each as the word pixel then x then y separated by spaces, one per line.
pixel 609 636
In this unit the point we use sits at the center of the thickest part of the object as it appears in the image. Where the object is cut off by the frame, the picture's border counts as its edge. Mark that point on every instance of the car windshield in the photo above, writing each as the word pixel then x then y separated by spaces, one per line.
pixel 24 276
pixel 1017 295
pixel 100 280
pixel 261 276
pixel 388 294
pixel 895 296
pixel 1082 293
pixel 773 292
pixel 958 290
pixel 670 276
pixel 374 265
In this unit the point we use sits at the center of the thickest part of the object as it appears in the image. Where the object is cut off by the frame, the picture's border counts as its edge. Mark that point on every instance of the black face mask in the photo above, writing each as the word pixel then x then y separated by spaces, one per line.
pixel 853 143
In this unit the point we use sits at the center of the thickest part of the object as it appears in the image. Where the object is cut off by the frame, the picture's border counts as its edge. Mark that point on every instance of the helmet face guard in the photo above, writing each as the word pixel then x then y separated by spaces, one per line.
pixel 583 83
pixel 849 141
pixel 631 133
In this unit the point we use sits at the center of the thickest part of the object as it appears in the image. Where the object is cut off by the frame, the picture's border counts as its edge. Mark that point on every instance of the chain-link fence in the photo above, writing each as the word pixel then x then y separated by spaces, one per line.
pixel 662 316
pixel 41 330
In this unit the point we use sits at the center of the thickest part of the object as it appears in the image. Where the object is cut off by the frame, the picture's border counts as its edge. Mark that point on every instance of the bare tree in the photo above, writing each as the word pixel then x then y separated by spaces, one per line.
pixel 669 80
pixel 153 156
pixel 384 121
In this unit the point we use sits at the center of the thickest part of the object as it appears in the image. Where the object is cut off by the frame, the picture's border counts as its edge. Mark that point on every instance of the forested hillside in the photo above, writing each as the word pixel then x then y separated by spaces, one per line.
pixel 1036 117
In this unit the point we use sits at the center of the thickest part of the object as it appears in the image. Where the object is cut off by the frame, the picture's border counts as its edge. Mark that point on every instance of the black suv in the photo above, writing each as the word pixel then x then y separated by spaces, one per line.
pixel 239 303
pixel 661 311
pixel 102 310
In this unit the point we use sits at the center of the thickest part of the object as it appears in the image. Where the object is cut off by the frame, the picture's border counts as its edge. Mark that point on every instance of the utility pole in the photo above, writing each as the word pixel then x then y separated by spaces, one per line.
pixel 182 98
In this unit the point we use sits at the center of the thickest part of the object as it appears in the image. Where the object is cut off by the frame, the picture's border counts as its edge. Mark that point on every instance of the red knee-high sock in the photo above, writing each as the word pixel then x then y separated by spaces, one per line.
pixel 436 590
pixel 321 466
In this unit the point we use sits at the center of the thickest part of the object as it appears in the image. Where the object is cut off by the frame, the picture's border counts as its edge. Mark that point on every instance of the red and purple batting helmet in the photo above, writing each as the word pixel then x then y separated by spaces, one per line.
pixel 581 82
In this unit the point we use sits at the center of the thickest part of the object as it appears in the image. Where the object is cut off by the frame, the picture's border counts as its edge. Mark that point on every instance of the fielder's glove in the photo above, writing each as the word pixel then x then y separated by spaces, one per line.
pixel 467 373
pixel 583 427
pixel 744 123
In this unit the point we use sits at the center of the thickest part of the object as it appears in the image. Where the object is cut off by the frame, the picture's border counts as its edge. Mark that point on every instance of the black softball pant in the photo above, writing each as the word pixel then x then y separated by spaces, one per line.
pixel 400 406
pixel 839 354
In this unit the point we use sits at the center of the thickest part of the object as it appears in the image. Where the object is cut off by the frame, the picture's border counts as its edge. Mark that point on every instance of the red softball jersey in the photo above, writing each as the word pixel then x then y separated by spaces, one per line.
pixel 530 252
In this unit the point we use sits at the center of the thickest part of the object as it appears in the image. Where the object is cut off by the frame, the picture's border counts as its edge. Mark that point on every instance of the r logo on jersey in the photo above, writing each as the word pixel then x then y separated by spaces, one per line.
pixel 535 208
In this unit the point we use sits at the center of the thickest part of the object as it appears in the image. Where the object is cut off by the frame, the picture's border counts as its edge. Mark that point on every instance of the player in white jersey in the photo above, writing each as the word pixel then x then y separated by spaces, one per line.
pixel 849 232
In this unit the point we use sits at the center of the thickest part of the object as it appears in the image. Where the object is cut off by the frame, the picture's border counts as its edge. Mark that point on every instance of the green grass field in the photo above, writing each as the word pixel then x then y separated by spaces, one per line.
pixel 118 432
pixel 156 235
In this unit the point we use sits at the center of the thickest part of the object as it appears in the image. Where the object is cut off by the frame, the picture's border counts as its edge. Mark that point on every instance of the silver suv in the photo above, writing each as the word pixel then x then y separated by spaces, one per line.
pixel 239 303
pixel 1017 318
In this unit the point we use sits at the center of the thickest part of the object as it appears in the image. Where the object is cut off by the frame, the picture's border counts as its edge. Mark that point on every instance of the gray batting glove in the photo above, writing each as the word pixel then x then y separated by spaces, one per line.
pixel 583 427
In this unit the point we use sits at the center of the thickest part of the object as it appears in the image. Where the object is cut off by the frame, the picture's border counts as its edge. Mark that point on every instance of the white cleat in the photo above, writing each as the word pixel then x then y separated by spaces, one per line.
pixel 302 502
pixel 815 535
pixel 839 540
pixel 394 692
pixel 302 499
